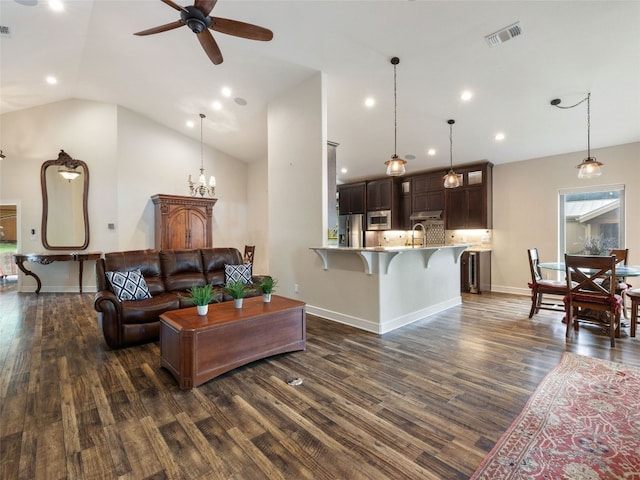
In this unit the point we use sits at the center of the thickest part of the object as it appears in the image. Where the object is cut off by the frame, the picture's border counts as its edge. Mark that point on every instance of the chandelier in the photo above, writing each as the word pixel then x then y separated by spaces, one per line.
pixel 395 166
pixel 590 167
pixel 201 188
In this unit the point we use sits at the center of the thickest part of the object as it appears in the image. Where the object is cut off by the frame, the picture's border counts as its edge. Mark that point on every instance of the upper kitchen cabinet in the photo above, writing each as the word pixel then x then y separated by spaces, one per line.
pixel 351 198
pixel 427 192
pixel 470 205
pixel 380 194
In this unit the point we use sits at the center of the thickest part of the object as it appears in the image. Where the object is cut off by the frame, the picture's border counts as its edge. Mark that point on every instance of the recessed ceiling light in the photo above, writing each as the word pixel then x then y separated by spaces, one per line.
pixel 343 170
pixel 369 102
pixel 51 80
pixel 226 91
pixel 431 152
pixel 190 124
pixel 466 95
pixel 216 105
pixel 499 136
pixel 56 5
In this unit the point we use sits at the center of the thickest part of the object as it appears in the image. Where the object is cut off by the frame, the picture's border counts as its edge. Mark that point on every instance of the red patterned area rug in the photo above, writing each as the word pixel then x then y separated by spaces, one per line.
pixel 582 422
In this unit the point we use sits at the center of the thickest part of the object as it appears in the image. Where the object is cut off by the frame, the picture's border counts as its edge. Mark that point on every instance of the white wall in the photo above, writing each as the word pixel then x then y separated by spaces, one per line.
pixel 525 208
pixel 258 215
pixel 130 158
pixel 296 168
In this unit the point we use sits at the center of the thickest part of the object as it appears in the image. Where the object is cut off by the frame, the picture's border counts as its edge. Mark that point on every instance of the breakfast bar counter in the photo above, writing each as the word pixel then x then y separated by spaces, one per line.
pixel 379 289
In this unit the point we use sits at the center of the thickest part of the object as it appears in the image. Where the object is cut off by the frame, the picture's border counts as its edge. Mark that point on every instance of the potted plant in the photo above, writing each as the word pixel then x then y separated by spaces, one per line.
pixel 236 289
pixel 201 297
pixel 267 286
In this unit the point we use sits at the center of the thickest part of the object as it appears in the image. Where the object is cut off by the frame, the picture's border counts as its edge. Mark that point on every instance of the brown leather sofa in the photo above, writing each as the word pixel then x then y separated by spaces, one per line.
pixel 168 275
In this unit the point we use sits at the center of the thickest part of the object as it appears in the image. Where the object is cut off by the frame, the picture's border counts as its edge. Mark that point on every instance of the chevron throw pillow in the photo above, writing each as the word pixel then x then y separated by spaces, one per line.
pixel 128 285
pixel 238 272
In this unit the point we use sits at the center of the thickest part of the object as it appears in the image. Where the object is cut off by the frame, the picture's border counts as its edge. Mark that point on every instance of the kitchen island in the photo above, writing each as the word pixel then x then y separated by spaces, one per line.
pixel 379 289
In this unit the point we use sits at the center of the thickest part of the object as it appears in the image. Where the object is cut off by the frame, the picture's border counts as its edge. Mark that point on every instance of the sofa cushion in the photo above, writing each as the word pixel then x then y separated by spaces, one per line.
pixel 149 310
pixel 147 261
pixel 128 285
pixel 214 260
pixel 238 272
pixel 182 269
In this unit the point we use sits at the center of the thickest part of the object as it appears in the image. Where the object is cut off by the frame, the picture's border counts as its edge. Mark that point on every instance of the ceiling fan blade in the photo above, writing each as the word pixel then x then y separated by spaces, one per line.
pixel 210 47
pixel 240 29
pixel 205 6
pixel 174 5
pixel 161 28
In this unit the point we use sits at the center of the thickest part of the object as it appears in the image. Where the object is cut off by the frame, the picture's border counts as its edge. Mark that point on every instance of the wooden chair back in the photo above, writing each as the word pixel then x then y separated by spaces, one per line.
pixel 249 251
pixel 534 260
pixel 591 285
pixel 621 255
pixel 587 276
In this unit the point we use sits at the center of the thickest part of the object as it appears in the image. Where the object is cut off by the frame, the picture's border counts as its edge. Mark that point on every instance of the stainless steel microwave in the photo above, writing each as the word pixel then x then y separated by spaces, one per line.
pixel 379 220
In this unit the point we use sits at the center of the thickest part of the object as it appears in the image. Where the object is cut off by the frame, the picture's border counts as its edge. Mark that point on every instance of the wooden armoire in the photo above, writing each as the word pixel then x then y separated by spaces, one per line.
pixel 183 222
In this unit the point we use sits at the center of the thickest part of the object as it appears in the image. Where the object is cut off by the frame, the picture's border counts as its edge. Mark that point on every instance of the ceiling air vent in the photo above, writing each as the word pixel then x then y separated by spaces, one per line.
pixel 4 31
pixel 504 34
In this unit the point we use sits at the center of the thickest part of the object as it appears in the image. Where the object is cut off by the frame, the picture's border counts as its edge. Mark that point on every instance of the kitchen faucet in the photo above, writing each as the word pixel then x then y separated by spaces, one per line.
pixel 424 234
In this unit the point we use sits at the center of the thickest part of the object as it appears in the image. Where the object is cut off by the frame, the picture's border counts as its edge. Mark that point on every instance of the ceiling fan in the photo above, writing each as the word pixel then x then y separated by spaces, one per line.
pixel 197 18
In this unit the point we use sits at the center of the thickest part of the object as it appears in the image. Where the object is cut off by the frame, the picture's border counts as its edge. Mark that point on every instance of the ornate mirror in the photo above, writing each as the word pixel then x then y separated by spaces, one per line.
pixel 65 188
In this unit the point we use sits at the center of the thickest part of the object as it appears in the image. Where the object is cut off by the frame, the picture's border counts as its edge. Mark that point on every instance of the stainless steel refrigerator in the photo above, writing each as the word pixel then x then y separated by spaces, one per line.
pixel 351 231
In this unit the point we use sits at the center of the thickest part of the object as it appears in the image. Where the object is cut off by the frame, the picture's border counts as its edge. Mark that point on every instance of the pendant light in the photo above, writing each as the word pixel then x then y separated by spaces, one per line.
pixel 590 167
pixel 201 188
pixel 451 179
pixel 395 166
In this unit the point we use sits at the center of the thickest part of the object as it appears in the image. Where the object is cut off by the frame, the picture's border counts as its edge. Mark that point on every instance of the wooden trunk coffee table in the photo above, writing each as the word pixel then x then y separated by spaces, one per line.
pixel 197 348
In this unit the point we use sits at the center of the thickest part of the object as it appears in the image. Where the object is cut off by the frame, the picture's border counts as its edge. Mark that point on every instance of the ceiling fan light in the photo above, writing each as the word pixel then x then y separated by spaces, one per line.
pixel 395 166
pixel 589 168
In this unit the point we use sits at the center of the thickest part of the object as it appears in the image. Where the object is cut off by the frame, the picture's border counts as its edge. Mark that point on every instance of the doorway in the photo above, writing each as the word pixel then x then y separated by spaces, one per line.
pixel 8 244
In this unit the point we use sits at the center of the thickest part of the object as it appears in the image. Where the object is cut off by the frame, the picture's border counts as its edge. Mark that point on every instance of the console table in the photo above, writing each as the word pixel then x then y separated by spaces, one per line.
pixel 47 258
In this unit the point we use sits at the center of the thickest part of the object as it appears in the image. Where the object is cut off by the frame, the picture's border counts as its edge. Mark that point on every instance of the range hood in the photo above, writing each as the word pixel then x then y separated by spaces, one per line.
pixel 426 215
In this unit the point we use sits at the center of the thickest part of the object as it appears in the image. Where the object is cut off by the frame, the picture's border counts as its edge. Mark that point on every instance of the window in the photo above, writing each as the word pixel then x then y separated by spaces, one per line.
pixel 591 220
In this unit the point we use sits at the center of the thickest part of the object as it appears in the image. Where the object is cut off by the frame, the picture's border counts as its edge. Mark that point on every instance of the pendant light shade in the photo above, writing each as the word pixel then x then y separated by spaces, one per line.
pixel 451 179
pixel 590 167
pixel 395 166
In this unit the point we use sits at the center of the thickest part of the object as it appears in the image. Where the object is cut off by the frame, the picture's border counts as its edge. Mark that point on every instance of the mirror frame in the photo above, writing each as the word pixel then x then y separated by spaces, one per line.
pixel 66 161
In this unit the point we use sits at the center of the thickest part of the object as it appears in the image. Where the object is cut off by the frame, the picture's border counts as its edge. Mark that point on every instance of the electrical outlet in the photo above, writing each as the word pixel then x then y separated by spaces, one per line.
pixel 296 288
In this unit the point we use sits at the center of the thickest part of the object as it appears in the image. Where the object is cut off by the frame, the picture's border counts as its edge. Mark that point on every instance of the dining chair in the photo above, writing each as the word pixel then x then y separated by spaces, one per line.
pixel 621 283
pixel 591 287
pixel 249 251
pixel 540 287
pixel 634 295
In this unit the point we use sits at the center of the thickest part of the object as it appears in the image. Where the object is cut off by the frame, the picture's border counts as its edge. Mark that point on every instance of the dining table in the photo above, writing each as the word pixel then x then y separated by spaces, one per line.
pixel 622 271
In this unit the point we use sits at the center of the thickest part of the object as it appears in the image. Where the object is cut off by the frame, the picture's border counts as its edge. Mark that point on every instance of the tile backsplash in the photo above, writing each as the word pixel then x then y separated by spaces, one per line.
pixel 395 238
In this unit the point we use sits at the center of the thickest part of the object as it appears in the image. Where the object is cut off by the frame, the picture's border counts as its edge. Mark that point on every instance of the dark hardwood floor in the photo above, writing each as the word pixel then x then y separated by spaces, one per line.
pixel 427 401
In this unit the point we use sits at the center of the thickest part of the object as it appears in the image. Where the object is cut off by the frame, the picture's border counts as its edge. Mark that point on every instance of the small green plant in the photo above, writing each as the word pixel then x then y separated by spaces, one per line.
pixel 268 285
pixel 201 295
pixel 235 289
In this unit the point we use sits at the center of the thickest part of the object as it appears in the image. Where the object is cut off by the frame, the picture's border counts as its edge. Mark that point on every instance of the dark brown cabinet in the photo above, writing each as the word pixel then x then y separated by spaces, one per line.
pixel 380 194
pixel 351 198
pixel 470 205
pixel 427 192
pixel 183 222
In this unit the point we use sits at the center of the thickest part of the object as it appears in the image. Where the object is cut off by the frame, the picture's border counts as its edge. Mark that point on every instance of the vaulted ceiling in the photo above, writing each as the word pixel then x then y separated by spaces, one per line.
pixel 565 49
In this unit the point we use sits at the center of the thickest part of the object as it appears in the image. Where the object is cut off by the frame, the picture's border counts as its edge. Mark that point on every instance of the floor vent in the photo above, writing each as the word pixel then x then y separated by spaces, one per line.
pixel 504 34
